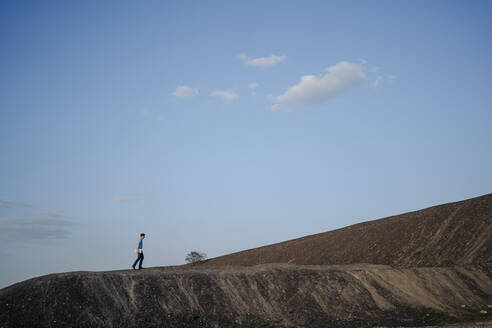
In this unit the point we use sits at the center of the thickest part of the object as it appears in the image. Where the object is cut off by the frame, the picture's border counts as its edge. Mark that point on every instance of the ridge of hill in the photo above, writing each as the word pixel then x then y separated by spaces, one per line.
pixel 458 233
pixel 432 266
pixel 271 295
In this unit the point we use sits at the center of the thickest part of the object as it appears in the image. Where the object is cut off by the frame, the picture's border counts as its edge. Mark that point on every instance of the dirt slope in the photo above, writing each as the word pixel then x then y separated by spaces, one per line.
pixel 275 294
pixel 451 234
pixel 427 267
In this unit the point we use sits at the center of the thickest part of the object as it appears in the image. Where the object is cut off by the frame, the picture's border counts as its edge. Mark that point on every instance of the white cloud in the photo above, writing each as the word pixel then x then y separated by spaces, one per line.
pixel 184 91
pixel 377 82
pixel 253 85
pixel 262 61
pixel 317 89
pixel 126 199
pixel 227 96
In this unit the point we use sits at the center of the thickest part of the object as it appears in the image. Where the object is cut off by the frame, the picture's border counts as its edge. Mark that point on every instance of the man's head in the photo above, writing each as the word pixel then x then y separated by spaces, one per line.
pixel 142 235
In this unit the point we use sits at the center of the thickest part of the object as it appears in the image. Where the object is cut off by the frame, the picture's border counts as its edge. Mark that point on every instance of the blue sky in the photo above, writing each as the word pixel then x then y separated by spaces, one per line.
pixel 220 126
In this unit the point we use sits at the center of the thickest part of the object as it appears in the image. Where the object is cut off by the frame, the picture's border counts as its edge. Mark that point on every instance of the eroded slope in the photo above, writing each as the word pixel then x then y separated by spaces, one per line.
pixel 283 295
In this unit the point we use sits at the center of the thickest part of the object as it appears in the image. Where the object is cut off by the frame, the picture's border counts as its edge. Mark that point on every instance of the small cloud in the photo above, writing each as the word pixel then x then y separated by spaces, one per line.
pixel 126 199
pixel 41 227
pixel 8 204
pixel 160 118
pixel 253 85
pixel 184 91
pixel 242 56
pixel 377 82
pixel 262 61
pixel 313 89
pixel 24 222
pixel 227 96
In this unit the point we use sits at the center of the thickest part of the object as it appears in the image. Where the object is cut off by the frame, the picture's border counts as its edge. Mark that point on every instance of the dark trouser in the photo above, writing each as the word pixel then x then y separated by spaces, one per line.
pixel 139 258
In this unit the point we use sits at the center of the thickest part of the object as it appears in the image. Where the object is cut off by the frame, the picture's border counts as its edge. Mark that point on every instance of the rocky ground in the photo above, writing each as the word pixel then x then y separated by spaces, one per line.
pixel 484 324
pixel 457 233
pixel 429 268
pixel 481 324
pixel 273 295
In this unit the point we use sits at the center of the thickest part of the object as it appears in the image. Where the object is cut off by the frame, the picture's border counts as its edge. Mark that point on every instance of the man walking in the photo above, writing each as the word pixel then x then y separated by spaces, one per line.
pixel 139 250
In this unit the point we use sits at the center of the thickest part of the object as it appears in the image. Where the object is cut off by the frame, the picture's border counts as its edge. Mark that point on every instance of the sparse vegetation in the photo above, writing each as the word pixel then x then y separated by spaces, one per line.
pixel 191 317
pixel 195 256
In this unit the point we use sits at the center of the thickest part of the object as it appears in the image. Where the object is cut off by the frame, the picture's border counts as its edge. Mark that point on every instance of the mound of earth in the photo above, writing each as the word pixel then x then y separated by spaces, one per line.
pixel 267 295
pixel 457 233
pixel 429 267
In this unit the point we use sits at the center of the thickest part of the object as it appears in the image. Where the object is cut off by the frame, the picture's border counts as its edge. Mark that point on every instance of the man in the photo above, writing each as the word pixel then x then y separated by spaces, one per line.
pixel 139 250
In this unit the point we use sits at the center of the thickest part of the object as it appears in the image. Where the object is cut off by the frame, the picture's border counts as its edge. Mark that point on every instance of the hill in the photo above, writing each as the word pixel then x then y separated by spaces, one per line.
pixel 267 296
pixel 457 233
pixel 432 266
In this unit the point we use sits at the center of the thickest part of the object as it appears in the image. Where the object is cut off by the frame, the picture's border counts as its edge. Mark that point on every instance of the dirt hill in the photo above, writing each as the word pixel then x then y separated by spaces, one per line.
pixel 432 266
pixel 451 234
pixel 261 296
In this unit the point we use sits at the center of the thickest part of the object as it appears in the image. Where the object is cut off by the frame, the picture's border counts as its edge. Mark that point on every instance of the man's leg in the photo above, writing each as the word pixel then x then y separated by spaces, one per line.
pixel 141 256
pixel 136 261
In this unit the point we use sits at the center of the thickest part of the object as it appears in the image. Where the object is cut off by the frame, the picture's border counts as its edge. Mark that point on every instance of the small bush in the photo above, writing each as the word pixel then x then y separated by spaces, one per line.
pixel 195 256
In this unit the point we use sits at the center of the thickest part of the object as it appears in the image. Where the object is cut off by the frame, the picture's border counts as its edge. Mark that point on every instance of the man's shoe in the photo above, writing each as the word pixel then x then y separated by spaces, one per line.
pixel 133 267
pixel 140 268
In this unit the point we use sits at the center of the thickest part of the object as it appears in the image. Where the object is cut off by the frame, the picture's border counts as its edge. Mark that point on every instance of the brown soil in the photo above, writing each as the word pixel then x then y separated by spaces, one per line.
pixel 430 267
pixel 451 234
pixel 273 295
